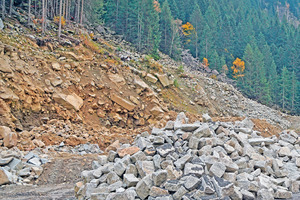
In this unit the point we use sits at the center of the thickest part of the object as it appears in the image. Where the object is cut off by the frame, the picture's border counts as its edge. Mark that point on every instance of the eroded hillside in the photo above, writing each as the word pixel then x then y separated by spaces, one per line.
pixel 96 88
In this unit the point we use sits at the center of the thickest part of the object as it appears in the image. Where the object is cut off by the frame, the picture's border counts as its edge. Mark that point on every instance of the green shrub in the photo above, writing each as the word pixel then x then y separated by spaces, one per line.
pixel 180 69
pixel 176 84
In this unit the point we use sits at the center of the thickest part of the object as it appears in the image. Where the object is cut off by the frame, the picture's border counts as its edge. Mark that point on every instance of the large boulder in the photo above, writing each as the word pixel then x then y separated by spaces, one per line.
pixel 10 140
pixel 68 101
pixel 4 65
pixel 122 102
pixel 1 24
pixel 164 79
pixel 5 177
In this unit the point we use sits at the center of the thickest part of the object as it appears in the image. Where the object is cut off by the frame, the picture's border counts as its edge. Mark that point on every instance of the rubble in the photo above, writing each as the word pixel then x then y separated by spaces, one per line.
pixel 234 166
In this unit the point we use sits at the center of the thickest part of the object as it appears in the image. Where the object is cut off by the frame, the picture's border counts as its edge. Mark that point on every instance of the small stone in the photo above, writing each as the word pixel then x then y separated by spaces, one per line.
pixel 202 131
pixel 24 172
pixel 172 185
pixel 173 173
pixel 283 194
pixel 180 163
pixel 5 161
pixel 194 142
pixel 35 161
pixel 247 195
pixel 193 169
pixel 102 159
pixel 4 130
pixel 284 151
pixel 10 140
pixel 142 143
pixel 165 149
pixel 178 194
pixel 294 187
pixel 169 125
pixel 217 169
pixel 192 183
pixel 145 168
pixel 206 118
pixel 189 127
pixel 156 192
pixel 143 187
pixel 159 177
pixel 56 66
pixel 119 168
pixel 5 177
pixel 112 177
pixel 265 194
pixel 130 180
pixel 111 155
pixel 223 187
pixel 128 151
pixel 15 164
pixel 258 141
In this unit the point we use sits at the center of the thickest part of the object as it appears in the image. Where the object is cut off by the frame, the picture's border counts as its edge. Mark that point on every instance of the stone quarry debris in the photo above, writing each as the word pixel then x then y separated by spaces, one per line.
pixel 211 165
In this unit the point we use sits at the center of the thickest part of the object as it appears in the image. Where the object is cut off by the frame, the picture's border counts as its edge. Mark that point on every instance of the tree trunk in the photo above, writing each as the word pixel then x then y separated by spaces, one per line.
pixel 43 16
pixel 35 5
pixel 78 11
pixel 10 6
pixel 60 13
pixel 3 9
pixel 67 9
pixel 283 98
pixel 117 15
pixel 172 40
pixel 81 14
pixel 29 10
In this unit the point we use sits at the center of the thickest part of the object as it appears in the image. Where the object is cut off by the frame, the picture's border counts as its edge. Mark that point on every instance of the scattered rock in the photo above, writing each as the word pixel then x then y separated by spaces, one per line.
pixel 122 102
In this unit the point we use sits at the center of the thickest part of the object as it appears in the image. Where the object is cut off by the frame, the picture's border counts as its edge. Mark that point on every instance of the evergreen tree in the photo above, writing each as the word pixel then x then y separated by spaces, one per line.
pixel 197 21
pixel 166 28
pixel 284 83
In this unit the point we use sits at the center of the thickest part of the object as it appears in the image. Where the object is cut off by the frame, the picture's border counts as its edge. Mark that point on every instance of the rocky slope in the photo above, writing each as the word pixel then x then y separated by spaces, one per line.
pixel 78 95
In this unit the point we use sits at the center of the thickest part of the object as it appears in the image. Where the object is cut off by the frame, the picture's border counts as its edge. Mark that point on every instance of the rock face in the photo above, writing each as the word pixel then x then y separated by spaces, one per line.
pixel 221 161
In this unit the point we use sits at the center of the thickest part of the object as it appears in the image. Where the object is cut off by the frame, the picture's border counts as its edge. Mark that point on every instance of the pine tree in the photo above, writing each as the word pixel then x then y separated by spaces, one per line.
pixel 166 28
pixel 284 83
pixel 197 21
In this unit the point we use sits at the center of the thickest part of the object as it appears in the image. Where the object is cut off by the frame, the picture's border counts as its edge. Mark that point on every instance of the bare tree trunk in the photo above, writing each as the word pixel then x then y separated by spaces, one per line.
pixel 10 6
pixel 29 10
pixel 78 11
pixel 81 15
pixel 60 13
pixel 35 5
pixel 174 32
pixel 117 15
pixel 43 16
pixel 66 10
pixel 46 10
pixel 3 9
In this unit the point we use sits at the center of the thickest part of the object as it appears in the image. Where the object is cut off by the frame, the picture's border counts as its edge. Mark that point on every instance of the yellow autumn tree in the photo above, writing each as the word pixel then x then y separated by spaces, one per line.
pixel 187 30
pixel 156 6
pixel 205 62
pixel 56 20
pixel 238 68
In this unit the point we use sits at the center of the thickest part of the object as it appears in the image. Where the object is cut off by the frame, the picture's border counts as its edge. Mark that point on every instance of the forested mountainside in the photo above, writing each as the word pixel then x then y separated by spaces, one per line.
pixel 262 33
pixel 256 42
